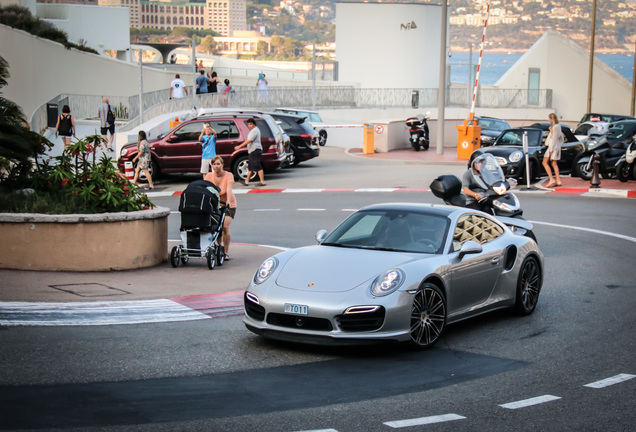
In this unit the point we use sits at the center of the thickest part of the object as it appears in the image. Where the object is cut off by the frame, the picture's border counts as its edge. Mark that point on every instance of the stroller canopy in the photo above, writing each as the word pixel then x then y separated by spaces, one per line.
pixel 201 196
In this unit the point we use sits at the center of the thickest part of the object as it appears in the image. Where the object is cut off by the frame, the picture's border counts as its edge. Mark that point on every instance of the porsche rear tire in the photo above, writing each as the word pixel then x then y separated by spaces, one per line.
pixel 428 316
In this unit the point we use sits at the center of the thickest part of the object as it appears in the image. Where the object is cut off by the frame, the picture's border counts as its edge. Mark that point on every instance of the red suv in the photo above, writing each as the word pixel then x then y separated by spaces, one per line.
pixel 179 150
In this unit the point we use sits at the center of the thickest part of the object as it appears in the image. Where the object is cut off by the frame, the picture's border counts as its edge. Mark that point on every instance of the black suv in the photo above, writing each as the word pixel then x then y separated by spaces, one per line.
pixel 179 150
pixel 302 136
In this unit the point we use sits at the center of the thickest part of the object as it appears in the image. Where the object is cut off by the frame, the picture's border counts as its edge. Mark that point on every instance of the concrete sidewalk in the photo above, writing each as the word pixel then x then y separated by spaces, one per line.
pixel 159 282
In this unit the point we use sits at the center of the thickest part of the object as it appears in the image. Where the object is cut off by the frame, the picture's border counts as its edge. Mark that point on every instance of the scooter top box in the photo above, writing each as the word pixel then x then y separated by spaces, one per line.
pixel 414 121
pixel 446 186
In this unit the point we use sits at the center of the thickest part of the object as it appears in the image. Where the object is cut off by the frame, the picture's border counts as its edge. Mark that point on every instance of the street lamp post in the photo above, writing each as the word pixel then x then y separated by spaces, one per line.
pixel 441 92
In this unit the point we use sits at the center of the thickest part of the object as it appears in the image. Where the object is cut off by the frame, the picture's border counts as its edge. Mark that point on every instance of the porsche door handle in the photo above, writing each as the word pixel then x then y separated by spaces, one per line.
pixel 495 261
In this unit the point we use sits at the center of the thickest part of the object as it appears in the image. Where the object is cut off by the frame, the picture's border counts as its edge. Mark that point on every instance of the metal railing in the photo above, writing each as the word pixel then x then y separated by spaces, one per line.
pixel 157 102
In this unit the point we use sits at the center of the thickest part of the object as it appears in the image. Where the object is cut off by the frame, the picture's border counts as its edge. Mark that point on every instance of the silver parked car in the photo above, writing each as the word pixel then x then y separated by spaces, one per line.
pixel 395 272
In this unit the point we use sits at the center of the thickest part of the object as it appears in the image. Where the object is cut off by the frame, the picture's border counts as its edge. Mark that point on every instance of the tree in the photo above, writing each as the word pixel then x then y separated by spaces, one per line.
pixel 182 31
pixel 261 48
pixel 18 144
pixel 209 45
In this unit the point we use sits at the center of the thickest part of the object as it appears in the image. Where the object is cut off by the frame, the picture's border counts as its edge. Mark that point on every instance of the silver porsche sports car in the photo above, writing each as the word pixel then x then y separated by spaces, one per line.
pixel 395 272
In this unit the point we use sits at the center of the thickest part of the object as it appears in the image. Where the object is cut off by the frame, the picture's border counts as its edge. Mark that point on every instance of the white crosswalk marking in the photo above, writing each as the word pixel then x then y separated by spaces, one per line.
pixel 95 313
pixel 610 381
pixel 424 420
pixel 529 402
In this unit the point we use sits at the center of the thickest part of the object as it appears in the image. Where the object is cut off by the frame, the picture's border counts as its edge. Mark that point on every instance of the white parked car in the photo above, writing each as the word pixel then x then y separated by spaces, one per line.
pixel 313 118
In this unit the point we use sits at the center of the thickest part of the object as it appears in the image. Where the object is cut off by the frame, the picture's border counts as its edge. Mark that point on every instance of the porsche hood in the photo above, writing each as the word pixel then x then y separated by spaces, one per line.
pixel 333 269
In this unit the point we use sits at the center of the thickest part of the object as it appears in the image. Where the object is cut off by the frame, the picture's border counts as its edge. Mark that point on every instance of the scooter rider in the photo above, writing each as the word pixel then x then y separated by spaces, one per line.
pixel 473 186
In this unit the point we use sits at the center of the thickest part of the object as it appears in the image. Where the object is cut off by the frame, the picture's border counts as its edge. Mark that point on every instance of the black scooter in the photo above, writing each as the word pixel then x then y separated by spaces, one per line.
pixel 609 155
pixel 626 165
pixel 497 201
pixel 418 131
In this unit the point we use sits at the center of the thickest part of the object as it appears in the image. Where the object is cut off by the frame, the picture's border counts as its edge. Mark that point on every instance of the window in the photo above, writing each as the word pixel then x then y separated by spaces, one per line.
pixel 225 129
pixel 189 132
pixel 534 75
pixel 266 132
pixel 476 228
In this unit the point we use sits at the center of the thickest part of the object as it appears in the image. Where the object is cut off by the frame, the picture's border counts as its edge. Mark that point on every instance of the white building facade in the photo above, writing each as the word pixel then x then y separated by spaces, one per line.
pixel 222 16
pixel 389 45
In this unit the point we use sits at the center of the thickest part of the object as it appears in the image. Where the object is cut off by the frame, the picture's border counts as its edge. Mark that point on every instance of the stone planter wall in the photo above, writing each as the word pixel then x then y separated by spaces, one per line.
pixel 106 241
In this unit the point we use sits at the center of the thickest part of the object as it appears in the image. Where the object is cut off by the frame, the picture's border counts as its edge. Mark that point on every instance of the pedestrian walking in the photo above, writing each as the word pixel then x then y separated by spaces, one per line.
pixel 254 150
pixel 553 154
pixel 177 88
pixel 227 92
pixel 214 82
pixel 200 65
pixel 263 92
pixel 65 126
pixel 202 82
pixel 208 147
pixel 107 122
pixel 143 159
pixel 225 181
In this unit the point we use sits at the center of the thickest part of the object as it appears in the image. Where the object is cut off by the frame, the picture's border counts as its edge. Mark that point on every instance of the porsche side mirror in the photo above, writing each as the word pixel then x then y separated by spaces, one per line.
pixel 470 247
pixel 321 236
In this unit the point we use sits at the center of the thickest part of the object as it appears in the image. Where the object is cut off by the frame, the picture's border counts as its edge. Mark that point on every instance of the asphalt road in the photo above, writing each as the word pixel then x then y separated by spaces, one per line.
pixel 495 372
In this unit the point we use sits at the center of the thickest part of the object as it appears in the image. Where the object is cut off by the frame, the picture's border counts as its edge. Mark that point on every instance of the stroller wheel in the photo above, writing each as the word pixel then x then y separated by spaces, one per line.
pixel 211 258
pixel 184 259
pixel 220 255
pixel 174 256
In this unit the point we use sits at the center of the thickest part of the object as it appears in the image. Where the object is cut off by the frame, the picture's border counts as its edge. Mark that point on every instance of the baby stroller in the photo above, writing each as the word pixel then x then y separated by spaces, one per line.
pixel 201 224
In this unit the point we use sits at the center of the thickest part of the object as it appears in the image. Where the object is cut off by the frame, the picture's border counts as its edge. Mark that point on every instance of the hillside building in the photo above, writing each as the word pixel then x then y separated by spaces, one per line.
pixel 222 16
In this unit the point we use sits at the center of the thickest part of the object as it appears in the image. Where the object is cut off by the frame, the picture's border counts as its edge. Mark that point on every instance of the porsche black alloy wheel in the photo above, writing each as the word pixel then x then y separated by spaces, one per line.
pixel 528 286
pixel 428 316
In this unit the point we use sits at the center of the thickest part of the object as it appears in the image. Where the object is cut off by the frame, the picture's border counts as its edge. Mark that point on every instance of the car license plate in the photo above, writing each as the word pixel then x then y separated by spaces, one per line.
pixel 296 309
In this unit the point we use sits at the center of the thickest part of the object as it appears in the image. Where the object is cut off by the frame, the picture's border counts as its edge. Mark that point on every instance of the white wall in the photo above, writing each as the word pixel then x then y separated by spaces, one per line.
pixel 564 68
pixel 41 69
pixel 102 28
pixel 374 48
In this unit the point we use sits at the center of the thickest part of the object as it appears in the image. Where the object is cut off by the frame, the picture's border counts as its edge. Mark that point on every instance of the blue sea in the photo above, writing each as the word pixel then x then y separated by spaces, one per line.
pixel 494 65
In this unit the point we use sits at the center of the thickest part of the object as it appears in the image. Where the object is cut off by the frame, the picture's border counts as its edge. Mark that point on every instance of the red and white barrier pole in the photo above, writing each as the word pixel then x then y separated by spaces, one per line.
pixel 130 172
pixel 481 51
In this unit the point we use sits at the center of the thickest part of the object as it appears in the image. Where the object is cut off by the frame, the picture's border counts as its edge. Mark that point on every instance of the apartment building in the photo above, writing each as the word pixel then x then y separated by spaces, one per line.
pixel 222 16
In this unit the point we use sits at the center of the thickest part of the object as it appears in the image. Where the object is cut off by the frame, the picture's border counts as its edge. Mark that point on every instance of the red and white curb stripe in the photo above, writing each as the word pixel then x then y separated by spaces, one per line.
pixel 591 192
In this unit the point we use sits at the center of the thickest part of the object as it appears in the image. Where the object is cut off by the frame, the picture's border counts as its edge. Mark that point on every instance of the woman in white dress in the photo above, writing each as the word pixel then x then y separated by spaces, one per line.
pixel 553 154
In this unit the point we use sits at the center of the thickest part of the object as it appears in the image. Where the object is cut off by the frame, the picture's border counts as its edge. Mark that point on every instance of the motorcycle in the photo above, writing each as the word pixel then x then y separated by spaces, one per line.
pixel 497 198
pixel 418 131
pixel 609 156
pixel 625 167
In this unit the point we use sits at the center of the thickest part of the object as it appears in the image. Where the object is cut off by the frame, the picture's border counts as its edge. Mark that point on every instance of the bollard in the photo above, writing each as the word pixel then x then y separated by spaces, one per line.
pixel 172 124
pixel 595 181
pixel 130 172
pixel 368 146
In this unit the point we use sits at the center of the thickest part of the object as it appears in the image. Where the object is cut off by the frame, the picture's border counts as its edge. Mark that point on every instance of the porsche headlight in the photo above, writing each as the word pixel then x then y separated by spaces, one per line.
pixel 515 156
pixel 266 270
pixel 388 282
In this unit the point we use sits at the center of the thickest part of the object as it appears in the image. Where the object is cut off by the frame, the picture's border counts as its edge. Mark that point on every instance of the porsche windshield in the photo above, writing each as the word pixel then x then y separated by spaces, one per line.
pixel 391 230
